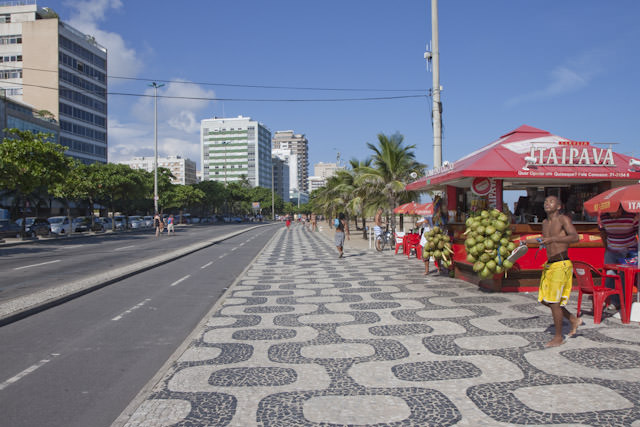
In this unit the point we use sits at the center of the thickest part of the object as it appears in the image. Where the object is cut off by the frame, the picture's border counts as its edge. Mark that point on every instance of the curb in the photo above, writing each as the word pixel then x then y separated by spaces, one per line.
pixel 19 308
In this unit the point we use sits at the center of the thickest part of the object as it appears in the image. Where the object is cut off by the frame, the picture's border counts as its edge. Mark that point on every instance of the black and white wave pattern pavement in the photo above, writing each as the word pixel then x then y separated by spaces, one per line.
pixel 306 339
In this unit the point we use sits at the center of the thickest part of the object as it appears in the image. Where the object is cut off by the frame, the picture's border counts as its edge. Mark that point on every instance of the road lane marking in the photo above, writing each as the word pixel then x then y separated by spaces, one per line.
pixel 222 256
pixel 70 247
pixel 242 244
pixel 37 265
pixel 180 280
pixel 135 307
pixel 124 247
pixel 233 249
pixel 26 372
pixel 207 264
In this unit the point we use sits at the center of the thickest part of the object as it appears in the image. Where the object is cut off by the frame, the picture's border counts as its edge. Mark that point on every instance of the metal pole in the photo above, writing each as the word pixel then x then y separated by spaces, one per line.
pixel 273 198
pixel 437 106
pixel 155 87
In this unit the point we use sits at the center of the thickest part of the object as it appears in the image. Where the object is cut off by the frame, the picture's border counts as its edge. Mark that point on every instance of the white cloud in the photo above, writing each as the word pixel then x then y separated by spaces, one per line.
pixel 573 76
pixel 122 60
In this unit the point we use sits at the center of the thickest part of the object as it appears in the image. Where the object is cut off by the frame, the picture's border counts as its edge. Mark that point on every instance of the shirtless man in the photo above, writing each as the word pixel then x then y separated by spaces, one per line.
pixel 555 284
pixel 377 228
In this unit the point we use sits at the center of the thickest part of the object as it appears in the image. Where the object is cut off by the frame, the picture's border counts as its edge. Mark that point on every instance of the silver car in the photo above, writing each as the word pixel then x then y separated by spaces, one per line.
pixel 148 221
pixel 59 225
pixel 136 222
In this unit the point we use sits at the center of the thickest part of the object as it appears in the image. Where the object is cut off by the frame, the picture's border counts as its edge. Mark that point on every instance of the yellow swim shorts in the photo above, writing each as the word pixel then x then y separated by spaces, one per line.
pixel 555 283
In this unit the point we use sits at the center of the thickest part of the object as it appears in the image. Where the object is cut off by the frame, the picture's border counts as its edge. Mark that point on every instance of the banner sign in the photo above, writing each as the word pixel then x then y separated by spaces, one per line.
pixel 572 153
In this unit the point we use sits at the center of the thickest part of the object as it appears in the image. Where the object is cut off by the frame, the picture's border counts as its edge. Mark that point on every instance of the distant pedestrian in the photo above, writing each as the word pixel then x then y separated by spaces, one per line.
pixel 314 222
pixel 287 222
pixel 157 220
pixel 342 231
pixel 170 226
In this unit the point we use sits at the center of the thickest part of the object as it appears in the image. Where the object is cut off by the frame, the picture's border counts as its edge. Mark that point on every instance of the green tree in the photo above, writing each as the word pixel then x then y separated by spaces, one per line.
pixel 185 196
pixel 393 163
pixel 29 162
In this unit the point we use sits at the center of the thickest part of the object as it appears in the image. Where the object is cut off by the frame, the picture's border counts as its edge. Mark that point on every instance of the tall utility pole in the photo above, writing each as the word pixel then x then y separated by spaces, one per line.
pixel 273 197
pixel 434 57
pixel 155 87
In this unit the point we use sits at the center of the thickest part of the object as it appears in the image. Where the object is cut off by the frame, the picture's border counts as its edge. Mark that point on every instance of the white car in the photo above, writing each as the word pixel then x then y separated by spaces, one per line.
pixel 148 221
pixel 59 224
pixel 136 222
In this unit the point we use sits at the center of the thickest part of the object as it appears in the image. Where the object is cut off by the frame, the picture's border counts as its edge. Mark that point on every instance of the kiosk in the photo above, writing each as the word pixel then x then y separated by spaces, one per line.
pixel 541 164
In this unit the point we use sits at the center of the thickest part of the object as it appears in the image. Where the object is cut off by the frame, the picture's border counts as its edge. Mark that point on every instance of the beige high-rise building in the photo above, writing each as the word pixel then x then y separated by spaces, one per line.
pixel 59 71
pixel 298 145
pixel 184 170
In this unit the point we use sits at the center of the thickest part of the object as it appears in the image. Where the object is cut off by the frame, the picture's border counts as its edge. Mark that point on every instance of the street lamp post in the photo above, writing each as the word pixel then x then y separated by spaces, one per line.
pixel 155 87
pixel 273 198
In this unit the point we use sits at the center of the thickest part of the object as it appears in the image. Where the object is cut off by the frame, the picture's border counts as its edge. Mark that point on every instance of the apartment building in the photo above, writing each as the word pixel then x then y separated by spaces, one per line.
pixel 17 115
pixel 184 170
pixel 298 145
pixel 58 70
pixel 233 148
pixel 281 177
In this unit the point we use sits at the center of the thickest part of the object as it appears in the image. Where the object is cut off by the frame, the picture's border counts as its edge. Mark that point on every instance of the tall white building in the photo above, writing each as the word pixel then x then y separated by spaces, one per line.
pixel 298 145
pixel 236 147
pixel 57 69
pixel 184 170
pixel 281 177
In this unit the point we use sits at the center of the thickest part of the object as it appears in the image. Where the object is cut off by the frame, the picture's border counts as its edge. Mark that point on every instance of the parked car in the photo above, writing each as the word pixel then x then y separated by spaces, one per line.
pixel 120 221
pixel 148 221
pixel 136 222
pixel 59 224
pixel 80 224
pixel 38 227
pixel 105 222
pixel 9 229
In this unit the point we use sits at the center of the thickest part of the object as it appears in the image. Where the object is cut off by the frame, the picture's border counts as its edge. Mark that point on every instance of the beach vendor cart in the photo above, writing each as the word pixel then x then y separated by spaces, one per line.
pixel 537 164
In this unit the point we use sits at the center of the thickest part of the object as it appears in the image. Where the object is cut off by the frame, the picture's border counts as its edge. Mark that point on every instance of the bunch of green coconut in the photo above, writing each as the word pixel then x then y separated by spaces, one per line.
pixel 488 242
pixel 438 246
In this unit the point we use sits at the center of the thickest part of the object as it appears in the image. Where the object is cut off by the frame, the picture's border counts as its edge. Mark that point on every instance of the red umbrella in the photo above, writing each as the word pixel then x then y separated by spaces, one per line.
pixel 425 209
pixel 628 197
pixel 406 208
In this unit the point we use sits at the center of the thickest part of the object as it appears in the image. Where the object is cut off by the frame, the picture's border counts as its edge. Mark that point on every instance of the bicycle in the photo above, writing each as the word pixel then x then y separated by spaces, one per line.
pixel 383 239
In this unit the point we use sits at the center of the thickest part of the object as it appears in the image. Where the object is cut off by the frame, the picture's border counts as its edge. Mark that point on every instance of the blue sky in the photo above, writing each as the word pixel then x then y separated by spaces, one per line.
pixel 569 67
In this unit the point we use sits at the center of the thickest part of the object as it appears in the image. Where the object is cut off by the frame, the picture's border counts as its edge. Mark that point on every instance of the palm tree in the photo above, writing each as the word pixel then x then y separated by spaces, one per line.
pixel 393 164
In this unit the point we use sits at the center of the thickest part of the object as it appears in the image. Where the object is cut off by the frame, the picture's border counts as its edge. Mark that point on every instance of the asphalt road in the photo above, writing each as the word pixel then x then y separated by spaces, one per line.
pixel 31 267
pixel 82 362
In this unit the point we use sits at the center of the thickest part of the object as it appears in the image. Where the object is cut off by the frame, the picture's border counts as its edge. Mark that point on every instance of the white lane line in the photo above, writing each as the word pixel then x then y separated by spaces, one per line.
pixel 222 256
pixel 207 264
pixel 233 249
pixel 242 244
pixel 37 265
pixel 180 280
pixel 125 247
pixel 70 247
pixel 26 372
pixel 135 307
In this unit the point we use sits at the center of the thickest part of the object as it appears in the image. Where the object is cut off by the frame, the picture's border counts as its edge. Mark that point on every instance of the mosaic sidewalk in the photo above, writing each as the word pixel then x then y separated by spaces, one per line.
pixel 306 339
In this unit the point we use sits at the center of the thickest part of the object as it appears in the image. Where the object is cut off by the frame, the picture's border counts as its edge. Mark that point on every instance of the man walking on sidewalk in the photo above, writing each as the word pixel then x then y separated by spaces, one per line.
pixel 555 284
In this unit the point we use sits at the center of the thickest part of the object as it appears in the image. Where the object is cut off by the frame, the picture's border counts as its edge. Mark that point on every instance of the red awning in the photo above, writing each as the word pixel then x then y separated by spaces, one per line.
pixel 531 154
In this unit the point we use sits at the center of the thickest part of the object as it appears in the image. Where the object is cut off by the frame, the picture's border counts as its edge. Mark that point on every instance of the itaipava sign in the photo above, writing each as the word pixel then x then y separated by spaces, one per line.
pixel 571 153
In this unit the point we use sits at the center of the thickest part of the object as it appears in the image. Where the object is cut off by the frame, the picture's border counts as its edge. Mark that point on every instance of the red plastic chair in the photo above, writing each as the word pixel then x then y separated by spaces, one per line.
pixel 413 242
pixel 584 273
pixel 399 237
